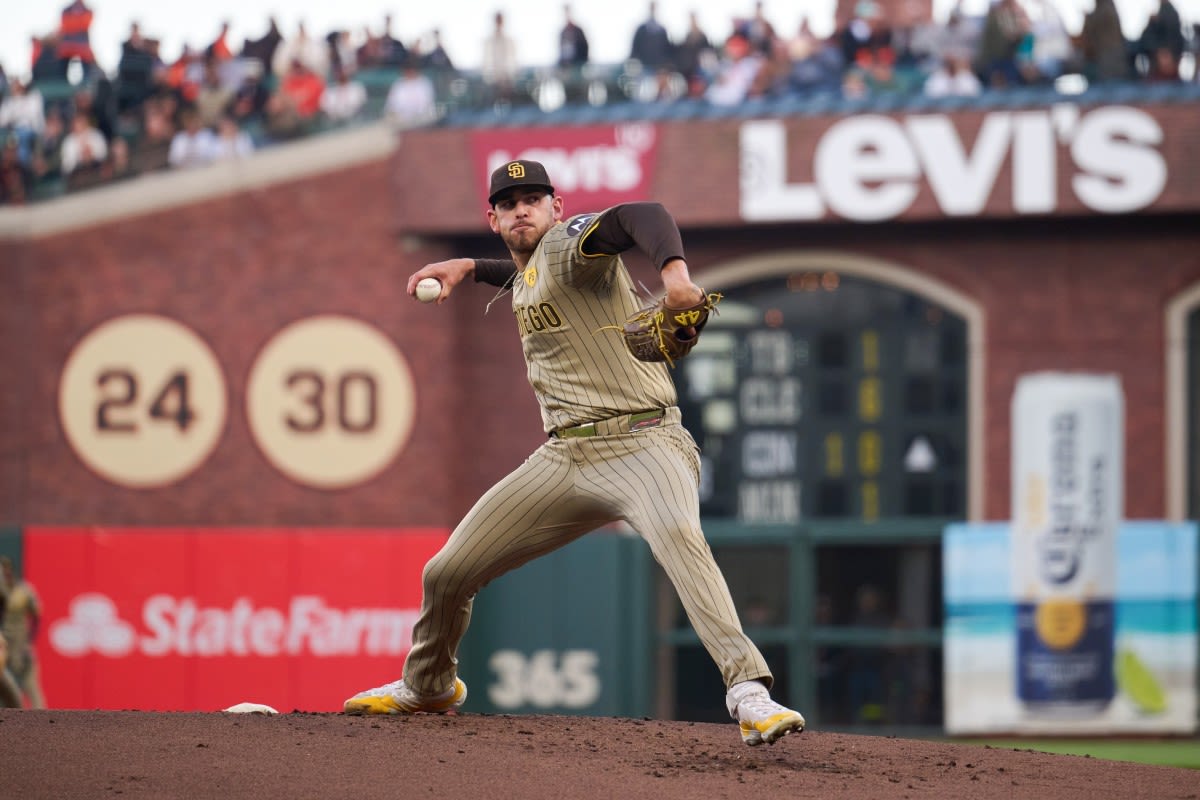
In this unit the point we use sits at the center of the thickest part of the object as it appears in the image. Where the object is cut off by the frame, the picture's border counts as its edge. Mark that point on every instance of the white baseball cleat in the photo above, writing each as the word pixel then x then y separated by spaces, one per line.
pixel 761 719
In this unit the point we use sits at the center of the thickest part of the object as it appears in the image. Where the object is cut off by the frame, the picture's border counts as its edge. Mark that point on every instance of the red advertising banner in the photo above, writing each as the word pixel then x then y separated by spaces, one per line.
pixel 201 619
pixel 594 167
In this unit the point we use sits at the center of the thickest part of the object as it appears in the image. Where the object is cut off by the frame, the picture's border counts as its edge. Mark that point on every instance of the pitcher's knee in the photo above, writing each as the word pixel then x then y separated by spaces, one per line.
pixel 444 577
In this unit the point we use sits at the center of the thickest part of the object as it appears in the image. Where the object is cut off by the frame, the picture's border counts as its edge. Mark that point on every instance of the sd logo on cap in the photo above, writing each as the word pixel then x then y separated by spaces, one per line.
pixel 518 173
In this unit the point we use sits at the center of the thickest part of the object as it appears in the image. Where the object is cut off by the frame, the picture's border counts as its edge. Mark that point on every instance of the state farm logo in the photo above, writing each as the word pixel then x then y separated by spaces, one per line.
pixel 93 625
pixel 181 627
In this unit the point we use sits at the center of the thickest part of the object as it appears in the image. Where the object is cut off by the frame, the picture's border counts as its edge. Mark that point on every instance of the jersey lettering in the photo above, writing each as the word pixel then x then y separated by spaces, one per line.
pixel 537 317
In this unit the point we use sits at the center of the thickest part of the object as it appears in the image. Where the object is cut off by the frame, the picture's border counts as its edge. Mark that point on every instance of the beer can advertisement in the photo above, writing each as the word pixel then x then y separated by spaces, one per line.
pixel 1067 472
pixel 1154 636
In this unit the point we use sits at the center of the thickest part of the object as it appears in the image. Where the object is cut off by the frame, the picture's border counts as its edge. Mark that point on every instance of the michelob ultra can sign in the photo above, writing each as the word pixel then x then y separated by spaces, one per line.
pixel 1067 504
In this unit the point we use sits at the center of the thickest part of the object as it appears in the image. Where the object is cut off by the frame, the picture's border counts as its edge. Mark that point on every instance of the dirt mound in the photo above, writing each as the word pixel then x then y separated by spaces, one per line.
pixel 222 756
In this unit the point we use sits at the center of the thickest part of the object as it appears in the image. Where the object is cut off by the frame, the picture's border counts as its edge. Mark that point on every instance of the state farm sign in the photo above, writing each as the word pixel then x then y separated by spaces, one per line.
pixel 594 167
pixel 872 167
pixel 200 619
pixel 183 626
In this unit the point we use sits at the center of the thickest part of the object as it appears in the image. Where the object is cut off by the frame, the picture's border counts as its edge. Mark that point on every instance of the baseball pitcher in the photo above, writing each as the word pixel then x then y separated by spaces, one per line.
pixel 599 365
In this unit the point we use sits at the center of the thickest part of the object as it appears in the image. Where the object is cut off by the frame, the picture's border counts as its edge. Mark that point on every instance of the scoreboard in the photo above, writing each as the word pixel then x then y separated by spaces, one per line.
pixel 822 395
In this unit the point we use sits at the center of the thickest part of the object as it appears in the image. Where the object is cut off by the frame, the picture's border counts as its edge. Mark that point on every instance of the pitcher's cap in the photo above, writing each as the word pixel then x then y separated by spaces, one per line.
pixel 522 172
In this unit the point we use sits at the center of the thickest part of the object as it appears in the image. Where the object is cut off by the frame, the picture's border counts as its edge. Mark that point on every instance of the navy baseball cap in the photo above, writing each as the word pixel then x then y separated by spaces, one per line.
pixel 522 172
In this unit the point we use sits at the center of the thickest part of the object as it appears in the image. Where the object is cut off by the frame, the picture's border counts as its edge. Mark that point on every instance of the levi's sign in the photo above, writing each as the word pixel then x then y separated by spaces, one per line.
pixel 872 168
pixel 594 166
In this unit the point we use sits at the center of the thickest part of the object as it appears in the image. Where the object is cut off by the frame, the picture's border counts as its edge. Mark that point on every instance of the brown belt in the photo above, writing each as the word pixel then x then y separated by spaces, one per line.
pixel 626 423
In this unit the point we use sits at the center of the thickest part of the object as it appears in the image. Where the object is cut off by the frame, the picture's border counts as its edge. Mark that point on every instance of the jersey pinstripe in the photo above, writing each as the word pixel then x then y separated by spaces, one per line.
pixel 565 303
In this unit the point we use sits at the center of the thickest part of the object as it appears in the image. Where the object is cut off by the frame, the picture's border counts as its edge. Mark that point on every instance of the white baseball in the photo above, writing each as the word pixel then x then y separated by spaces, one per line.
pixel 429 289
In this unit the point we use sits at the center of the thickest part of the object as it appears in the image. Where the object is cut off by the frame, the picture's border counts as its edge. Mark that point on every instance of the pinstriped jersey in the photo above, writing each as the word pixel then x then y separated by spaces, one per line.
pixel 563 301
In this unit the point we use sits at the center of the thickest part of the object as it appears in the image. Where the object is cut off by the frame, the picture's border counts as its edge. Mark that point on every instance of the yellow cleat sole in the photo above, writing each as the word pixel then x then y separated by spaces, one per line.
pixel 771 730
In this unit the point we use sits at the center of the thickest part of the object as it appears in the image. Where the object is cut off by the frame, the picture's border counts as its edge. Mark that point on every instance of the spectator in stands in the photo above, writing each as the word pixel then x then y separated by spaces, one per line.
pixel 411 101
pixel 47 151
pixel 293 108
pixel 758 30
pixel 263 49
pixel 23 114
pixel 1006 29
pixel 391 52
pixel 312 53
pixel 1161 45
pixel 281 121
pixel 651 46
pixel 75 25
pixel 854 84
pixel 865 30
pixel 1053 50
pixel 879 73
pixel 193 144
pixel 46 63
pixel 915 42
pixel 774 77
pixel 736 72
pixel 83 152
pixel 119 163
pixel 184 75
pixel 92 104
pixel 219 48
pixel 137 71
pixel 572 44
pixel 1103 50
pixel 695 57
pixel 303 87
pixel 499 65
pixel 953 77
pixel 343 54
pixel 213 98
pixel 819 72
pixel 231 142
pixel 664 85
pixel 803 43
pixel 152 148
pixel 344 98
pixel 960 32
pixel 16 177
pixel 436 58
pixel 250 100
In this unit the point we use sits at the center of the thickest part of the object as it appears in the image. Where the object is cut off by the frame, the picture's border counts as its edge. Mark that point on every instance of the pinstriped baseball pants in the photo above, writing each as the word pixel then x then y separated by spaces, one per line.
pixel 565 489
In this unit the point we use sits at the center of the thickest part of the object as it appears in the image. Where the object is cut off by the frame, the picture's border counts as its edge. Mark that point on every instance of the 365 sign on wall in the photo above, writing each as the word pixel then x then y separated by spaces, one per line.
pixel 200 619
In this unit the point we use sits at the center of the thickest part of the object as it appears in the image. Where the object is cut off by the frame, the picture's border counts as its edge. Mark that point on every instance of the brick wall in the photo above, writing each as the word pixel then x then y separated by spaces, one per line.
pixel 1071 293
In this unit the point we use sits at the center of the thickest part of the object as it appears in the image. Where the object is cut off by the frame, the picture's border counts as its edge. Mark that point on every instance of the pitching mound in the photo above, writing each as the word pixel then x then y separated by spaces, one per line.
pixel 224 756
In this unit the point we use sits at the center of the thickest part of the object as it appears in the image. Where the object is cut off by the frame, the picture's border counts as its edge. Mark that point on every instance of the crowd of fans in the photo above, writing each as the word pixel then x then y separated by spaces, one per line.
pixel 221 102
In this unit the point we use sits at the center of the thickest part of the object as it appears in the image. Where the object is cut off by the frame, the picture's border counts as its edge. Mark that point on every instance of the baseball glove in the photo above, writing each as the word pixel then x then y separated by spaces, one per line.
pixel 659 333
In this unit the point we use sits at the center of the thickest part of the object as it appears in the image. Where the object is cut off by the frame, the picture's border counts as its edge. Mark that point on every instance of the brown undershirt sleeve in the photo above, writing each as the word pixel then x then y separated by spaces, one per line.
pixel 647 226
pixel 496 271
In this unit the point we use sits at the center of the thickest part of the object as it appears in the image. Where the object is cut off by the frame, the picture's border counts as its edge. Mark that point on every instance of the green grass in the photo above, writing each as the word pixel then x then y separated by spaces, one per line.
pixel 1162 752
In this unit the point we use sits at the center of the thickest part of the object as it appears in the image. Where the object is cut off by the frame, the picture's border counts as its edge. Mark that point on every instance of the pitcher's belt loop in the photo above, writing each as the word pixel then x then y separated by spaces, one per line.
pixel 626 423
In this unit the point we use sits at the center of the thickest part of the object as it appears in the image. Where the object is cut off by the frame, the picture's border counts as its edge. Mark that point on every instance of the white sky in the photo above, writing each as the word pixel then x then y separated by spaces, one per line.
pixel 609 24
